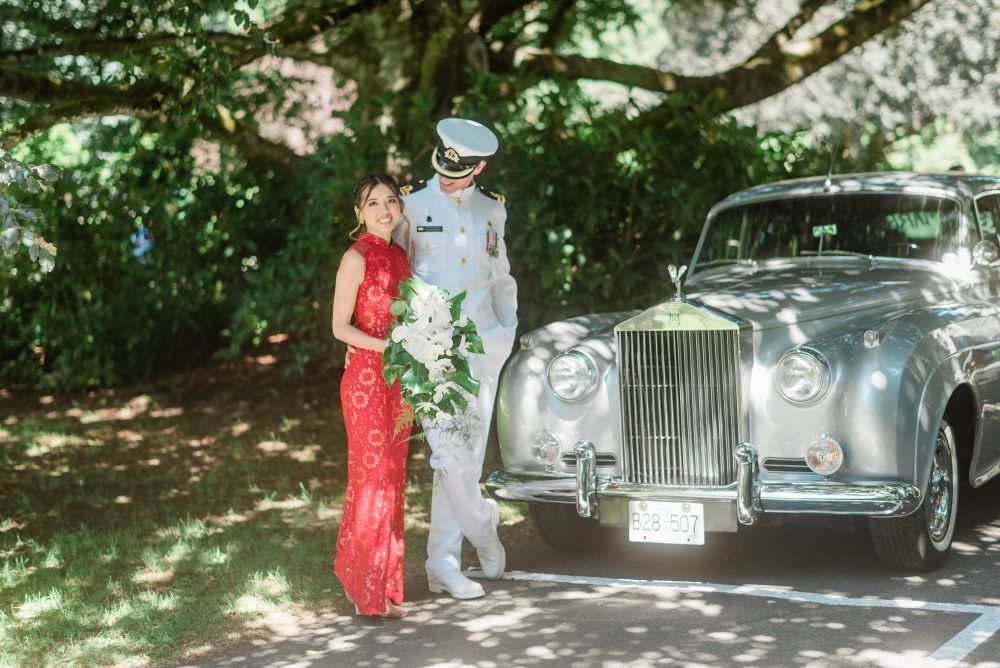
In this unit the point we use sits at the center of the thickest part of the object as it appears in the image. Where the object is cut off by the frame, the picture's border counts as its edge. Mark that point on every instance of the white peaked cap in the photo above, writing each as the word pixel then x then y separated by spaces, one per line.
pixel 462 145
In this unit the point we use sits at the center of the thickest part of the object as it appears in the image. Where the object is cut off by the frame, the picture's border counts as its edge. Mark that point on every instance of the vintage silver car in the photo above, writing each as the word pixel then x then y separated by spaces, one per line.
pixel 834 350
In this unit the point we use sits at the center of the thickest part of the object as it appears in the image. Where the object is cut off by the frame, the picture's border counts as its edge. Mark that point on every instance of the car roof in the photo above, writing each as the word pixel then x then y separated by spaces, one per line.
pixel 950 183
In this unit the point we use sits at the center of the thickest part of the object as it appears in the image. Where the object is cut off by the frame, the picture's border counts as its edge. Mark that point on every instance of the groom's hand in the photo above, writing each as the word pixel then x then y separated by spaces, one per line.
pixel 347 355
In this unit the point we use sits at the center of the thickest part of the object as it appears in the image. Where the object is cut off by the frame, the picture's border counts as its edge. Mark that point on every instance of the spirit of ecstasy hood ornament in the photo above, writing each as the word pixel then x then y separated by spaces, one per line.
pixel 676 276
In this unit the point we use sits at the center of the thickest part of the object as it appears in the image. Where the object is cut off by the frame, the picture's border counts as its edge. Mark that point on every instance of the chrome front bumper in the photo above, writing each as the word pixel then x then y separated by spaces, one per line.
pixel 751 496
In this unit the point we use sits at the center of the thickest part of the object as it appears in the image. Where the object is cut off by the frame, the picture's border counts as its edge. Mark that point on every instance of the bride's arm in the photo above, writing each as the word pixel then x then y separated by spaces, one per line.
pixel 349 277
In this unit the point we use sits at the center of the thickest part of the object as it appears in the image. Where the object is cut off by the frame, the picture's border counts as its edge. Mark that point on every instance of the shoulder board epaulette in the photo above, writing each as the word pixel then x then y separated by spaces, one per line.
pixel 412 187
pixel 492 195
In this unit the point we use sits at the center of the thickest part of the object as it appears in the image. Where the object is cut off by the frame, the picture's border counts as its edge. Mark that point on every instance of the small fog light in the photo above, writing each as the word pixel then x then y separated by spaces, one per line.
pixel 824 455
pixel 545 447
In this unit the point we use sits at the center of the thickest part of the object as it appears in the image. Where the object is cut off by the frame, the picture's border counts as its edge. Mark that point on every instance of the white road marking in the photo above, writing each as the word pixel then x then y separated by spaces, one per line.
pixel 972 636
pixel 982 628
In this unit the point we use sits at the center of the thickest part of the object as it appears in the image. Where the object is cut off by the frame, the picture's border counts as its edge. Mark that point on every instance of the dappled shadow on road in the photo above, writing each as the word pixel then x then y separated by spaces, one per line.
pixel 832 557
pixel 590 622
pixel 570 625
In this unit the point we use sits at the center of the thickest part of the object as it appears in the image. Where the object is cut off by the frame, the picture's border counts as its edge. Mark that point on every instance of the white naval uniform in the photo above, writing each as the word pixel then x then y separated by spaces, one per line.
pixel 447 246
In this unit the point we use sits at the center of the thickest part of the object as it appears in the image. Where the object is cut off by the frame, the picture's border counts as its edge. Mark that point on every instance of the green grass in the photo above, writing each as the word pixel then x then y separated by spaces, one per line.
pixel 145 525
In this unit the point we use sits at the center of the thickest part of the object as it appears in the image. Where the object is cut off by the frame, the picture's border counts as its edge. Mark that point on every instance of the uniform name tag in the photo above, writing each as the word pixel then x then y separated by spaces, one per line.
pixel 430 228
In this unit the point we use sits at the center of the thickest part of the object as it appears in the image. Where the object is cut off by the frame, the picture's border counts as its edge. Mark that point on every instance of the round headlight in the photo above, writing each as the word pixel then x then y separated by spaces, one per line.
pixel 824 455
pixel 572 375
pixel 801 375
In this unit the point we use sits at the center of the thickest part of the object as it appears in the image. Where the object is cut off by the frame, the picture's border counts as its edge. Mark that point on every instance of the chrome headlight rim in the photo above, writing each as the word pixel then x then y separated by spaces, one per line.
pixel 589 366
pixel 825 382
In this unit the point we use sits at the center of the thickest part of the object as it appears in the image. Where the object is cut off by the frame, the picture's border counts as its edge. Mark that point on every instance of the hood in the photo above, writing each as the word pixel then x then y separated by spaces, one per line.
pixel 799 291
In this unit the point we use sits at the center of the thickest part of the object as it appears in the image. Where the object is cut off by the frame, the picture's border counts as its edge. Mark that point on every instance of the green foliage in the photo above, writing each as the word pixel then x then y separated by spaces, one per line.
pixel 173 249
pixel 152 249
pixel 187 232
pixel 940 147
pixel 598 207
pixel 291 290
pixel 17 221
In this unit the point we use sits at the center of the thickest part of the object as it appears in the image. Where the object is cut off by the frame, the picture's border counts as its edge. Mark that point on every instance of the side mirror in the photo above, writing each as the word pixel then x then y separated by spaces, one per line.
pixel 985 253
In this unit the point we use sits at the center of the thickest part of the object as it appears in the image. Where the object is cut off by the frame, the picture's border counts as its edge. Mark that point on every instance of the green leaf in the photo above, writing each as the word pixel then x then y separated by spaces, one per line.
pixel 456 305
pixel 475 345
pixel 468 383
pixel 27 215
pixel 9 240
pixel 46 172
pixel 406 290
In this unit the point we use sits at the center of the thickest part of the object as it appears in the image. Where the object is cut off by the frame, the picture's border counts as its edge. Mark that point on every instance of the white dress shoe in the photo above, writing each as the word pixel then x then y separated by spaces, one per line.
pixel 492 556
pixel 455 584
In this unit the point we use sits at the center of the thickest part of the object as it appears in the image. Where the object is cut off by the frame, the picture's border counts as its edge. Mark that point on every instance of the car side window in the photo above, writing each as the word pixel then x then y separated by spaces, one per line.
pixel 988 213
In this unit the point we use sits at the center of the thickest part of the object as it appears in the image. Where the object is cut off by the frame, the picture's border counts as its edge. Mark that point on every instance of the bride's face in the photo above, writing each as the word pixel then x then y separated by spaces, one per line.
pixel 381 211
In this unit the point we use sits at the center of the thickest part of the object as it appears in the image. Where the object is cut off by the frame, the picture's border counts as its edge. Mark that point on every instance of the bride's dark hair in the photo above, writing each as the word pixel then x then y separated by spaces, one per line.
pixel 364 189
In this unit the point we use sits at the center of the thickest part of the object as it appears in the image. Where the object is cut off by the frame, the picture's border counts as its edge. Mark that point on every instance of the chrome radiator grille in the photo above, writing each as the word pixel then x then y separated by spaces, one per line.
pixel 680 406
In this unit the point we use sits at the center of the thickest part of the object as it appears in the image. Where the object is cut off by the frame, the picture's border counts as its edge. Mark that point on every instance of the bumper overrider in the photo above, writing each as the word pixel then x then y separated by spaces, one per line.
pixel 749 496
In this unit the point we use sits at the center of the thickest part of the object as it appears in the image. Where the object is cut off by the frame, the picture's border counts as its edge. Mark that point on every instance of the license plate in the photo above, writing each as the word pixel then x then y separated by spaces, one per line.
pixel 677 522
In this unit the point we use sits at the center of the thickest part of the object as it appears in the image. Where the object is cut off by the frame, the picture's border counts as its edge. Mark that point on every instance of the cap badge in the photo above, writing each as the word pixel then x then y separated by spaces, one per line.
pixel 452 154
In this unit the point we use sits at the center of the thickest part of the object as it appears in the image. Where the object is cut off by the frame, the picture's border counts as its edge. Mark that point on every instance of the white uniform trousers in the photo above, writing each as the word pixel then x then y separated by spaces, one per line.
pixel 457 504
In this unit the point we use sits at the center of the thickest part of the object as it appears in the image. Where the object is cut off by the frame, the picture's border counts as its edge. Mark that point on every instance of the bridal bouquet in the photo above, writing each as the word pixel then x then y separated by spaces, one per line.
pixel 428 352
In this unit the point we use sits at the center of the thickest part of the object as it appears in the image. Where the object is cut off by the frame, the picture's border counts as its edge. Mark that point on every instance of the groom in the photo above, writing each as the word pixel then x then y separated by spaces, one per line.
pixel 456 241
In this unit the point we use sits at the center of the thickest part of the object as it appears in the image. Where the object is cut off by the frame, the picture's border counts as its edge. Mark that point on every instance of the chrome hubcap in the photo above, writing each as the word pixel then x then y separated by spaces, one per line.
pixel 939 494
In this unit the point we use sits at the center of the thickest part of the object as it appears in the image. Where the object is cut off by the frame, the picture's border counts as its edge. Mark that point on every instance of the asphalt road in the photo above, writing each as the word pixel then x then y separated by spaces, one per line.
pixel 794 595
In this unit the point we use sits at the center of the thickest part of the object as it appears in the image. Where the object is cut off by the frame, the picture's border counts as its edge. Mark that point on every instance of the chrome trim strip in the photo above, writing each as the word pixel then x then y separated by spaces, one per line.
pixel 586 478
pixel 885 499
pixel 747 487
pixel 987 475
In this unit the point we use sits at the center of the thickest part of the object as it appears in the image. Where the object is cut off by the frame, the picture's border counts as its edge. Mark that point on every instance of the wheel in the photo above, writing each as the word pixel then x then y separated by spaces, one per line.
pixel 563 530
pixel 921 541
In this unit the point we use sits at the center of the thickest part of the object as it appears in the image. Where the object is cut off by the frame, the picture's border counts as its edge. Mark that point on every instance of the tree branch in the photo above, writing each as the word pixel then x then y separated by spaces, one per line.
pixel 251 144
pixel 493 10
pixel 777 65
pixel 75 111
pixel 579 67
pixel 301 24
pixel 785 64
pixel 292 28
pixel 43 89
pixel 560 22
pixel 37 22
pixel 115 46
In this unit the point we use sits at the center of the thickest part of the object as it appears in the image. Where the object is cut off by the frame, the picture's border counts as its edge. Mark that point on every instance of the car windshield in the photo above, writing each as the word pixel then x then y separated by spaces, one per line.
pixel 881 224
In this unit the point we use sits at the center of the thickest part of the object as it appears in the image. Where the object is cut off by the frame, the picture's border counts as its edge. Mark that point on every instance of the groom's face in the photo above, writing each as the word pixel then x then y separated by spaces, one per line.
pixel 449 186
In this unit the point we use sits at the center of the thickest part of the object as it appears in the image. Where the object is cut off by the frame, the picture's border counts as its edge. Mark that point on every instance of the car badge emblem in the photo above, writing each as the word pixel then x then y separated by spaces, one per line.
pixel 675 276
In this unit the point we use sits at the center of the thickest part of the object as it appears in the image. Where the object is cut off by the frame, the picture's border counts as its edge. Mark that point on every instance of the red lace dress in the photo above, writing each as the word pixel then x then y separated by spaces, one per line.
pixel 369 559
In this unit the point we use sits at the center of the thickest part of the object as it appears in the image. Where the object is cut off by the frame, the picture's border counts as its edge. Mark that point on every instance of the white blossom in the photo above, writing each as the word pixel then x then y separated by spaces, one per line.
pixel 424 341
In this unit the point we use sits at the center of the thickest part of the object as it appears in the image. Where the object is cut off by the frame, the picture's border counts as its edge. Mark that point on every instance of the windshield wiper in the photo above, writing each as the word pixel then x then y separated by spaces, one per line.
pixel 866 256
pixel 713 263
